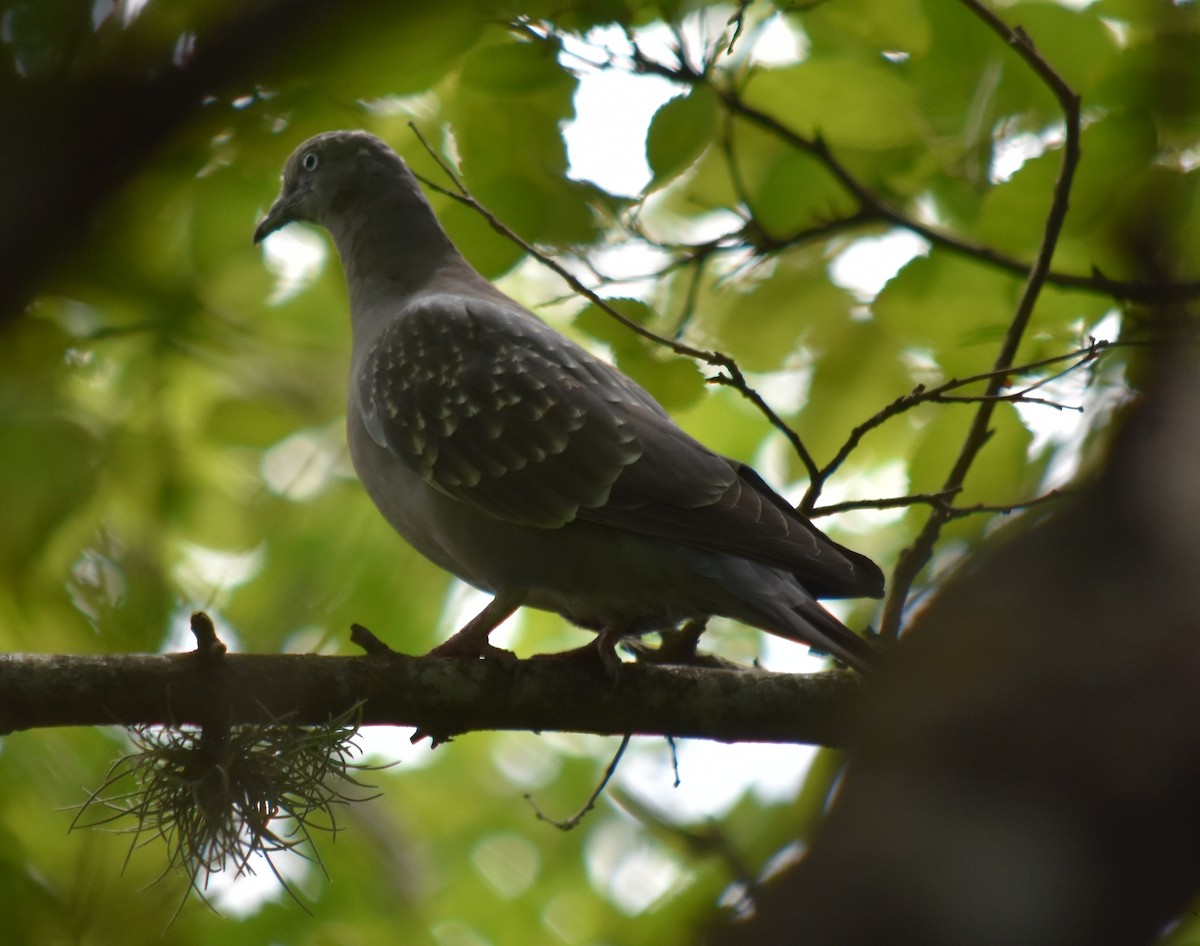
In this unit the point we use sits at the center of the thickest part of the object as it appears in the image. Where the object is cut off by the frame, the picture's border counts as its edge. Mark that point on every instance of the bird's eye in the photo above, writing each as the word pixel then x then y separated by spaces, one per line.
pixel 309 161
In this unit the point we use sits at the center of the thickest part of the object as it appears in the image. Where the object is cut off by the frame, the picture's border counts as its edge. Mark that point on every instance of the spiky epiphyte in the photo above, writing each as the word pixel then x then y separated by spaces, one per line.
pixel 216 796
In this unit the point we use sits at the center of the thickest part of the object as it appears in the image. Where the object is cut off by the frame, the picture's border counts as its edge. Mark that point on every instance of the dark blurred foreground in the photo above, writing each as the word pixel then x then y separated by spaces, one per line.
pixel 1030 772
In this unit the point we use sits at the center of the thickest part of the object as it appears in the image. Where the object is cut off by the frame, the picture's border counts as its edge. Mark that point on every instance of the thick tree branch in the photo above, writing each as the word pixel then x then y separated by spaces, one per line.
pixel 440 696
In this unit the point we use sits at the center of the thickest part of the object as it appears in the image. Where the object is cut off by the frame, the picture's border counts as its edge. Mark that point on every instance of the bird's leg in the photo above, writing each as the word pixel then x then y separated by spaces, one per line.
pixel 603 648
pixel 606 645
pixel 472 639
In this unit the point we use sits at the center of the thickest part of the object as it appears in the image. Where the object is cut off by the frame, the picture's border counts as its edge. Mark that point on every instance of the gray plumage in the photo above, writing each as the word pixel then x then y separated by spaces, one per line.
pixel 512 457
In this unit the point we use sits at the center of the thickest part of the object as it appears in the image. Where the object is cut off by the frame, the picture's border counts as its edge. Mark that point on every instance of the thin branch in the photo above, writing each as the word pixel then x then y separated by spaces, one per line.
pixel 875 208
pixel 465 197
pixel 793 438
pixel 733 376
pixel 892 502
pixel 1016 397
pixel 916 556
pixel 958 512
pixel 941 501
pixel 941 393
pixel 738 21
pixel 575 819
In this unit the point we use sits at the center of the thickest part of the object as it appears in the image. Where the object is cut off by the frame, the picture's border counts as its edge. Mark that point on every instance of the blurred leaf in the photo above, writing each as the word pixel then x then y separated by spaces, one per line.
pixel 487 250
pixel 762 323
pixel 604 328
pixel 511 68
pixel 793 193
pixel 870 25
pixel 675 382
pixel 858 104
pixel 1004 474
pixel 39 33
pixel 51 464
pixel 247 423
pixel 679 133
pixel 401 55
pixel 949 307
pixel 858 369
pixel 1076 41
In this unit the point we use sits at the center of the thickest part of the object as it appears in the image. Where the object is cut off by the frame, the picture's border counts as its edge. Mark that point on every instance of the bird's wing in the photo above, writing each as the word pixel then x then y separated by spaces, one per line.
pixel 495 409
pixel 499 411
pixel 747 519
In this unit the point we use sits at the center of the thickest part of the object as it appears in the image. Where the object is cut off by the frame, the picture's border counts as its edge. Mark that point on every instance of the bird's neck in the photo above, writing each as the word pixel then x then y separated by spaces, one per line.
pixel 389 254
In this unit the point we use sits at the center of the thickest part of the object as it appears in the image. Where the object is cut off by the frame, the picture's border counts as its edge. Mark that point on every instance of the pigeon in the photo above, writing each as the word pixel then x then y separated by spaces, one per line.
pixel 518 461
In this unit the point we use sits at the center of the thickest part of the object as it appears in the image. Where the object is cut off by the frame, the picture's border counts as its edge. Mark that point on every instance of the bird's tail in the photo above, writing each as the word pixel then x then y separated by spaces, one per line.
pixel 811 624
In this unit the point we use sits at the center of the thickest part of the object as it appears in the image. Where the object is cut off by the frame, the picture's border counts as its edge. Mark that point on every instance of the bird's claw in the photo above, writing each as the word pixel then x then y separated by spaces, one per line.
pixel 467 649
pixel 589 655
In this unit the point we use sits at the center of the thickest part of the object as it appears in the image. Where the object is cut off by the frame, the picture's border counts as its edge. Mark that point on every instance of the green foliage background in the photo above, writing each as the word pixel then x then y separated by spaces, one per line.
pixel 156 376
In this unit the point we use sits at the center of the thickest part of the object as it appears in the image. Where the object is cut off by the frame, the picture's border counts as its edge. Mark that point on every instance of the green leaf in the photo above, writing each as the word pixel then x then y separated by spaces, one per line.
pixel 762 324
pixel 512 68
pixel 858 368
pixel 1076 42
pixel 870 25
pixel 950 308
pixel 50 464
pixel 857 104
pixel 679 133
pixel 397 55
pixel 937 446
pixel 675 382
pixel 252 423
pixel 594 321
pixel 488 251
pixel 795 192
pixel 1001 475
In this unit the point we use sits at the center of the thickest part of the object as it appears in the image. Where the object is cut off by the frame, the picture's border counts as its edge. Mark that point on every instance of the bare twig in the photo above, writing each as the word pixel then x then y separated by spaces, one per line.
pixel 575 819
pixel 939 500
pixel 738 21
pixel 959 512
pixel 704 841
pixel 364 638
pixel 892 502
pixel 464 196
pixel 733 376
pixel 997 378
pixel 917 555
pixel 875 208
pixel 810 465
pixel 208 645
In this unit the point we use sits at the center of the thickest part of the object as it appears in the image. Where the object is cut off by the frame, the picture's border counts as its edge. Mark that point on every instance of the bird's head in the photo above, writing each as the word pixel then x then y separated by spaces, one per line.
pixel 331 173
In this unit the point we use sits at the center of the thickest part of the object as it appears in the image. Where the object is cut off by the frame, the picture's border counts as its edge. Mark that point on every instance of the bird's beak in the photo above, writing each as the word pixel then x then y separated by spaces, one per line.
pixel 282 213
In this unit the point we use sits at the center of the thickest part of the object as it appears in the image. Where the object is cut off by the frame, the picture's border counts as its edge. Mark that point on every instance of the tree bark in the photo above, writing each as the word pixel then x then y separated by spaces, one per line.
pixel 440 696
